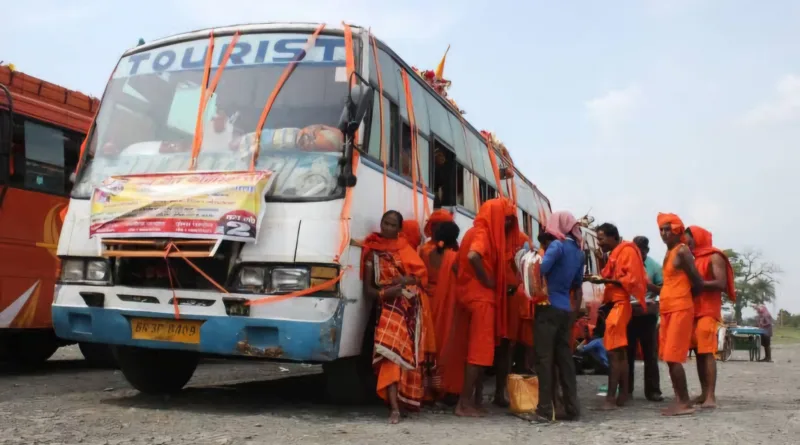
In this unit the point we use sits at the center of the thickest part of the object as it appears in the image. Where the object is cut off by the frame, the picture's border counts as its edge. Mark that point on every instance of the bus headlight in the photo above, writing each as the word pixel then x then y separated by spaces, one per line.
pixel 250 279
pixel 85 271
pixel 97 270
pixel 72 270
pixel 285 279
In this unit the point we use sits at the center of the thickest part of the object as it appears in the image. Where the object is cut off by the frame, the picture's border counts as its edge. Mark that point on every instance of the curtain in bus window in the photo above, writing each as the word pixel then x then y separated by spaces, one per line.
pixel 423 151
pixel 405 151
pixel 469 191
pixel 44 158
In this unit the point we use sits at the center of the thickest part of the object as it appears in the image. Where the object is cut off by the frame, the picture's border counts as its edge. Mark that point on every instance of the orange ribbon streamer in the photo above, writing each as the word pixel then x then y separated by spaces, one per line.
pixel 380 114
pixel 275 91
pixel 207 90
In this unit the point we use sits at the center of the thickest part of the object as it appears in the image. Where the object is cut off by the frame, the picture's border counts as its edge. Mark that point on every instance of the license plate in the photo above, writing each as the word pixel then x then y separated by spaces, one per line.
pixel 177 331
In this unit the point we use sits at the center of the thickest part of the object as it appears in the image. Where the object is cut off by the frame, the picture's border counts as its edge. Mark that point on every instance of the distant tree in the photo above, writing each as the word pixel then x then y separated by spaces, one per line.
pixel 755 279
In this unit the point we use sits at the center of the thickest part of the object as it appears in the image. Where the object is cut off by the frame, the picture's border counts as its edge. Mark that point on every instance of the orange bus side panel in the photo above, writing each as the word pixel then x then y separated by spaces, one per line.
pixel 29 231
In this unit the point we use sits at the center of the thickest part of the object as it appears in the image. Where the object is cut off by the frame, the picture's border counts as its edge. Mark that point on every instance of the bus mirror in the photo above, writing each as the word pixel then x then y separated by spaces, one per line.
pixel 359 101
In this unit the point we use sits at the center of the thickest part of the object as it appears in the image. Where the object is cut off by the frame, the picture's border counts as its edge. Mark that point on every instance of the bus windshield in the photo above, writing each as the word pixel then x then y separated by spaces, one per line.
pixel 150 111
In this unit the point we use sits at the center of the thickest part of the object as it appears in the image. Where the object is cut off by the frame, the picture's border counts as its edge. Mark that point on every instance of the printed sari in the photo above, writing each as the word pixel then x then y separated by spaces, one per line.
pixel 404 336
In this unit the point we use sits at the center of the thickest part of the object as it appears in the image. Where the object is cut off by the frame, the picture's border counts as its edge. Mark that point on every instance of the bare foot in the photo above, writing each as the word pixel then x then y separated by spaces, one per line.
pixel 710 403
pixel 467 411
pixel 608 406
pixel 622 399
pixel 677 410
pixel 394 417
pixel 699 399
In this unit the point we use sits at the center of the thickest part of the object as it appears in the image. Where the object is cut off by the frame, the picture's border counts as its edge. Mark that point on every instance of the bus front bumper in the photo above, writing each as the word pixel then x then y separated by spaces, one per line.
pixel 280 338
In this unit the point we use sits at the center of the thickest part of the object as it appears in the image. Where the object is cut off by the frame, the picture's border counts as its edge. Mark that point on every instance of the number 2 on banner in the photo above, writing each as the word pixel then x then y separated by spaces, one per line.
pixel 238 228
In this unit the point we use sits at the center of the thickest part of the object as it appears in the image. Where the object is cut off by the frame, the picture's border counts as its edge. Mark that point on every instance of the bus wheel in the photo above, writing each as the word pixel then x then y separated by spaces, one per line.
pixel 156 371
pixel 98 355
pixel 31 349
pixel 349 381
pixel 352 380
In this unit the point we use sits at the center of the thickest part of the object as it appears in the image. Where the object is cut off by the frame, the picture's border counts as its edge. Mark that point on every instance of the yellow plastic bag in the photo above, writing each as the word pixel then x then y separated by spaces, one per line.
pixel 523 393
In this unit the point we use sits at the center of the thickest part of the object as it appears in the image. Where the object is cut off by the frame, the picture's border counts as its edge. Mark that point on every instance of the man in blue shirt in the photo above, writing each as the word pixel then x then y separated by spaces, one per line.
pixel 642 327
pixel 562 267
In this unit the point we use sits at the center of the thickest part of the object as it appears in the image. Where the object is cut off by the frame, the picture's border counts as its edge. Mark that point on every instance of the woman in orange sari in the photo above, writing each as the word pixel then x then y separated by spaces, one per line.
pixel 394 274
pixel 451 350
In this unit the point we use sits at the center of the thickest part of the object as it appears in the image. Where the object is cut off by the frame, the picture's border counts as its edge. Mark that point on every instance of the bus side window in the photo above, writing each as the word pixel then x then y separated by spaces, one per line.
pixel 446 175
pixel 44 158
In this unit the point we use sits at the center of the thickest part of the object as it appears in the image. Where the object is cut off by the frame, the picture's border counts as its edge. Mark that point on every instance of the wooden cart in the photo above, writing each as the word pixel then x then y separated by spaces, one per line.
pixel 741 338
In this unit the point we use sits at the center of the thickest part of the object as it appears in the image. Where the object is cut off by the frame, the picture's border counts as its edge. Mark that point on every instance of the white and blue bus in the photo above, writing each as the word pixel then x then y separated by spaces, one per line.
pixel 113 292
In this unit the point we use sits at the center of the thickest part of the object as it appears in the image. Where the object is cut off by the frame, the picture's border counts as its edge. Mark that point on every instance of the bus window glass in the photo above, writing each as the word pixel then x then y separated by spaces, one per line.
pixel 420 105
pixel 375 129
pixel 152 130
pixel 459 142
pixel 440 122
pixel 44 158
pixel 424 152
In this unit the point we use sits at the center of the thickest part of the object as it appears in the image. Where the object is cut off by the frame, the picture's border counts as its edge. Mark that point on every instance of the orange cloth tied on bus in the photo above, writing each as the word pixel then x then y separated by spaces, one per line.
pixel 411 233
pixel 676 225
pixel 437 217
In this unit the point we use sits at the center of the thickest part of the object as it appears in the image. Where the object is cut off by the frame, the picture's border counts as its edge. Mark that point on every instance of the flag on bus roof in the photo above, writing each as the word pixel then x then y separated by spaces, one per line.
pixel 440 68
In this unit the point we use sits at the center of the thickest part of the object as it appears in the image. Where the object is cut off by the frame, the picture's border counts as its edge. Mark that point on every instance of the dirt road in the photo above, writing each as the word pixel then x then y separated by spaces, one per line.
pixel 256 403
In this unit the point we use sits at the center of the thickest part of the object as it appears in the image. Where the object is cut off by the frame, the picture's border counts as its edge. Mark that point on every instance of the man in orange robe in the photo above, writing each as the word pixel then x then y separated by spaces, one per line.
pixel 681 283
pixel 717 273
pixel 482 292
pixel 623 276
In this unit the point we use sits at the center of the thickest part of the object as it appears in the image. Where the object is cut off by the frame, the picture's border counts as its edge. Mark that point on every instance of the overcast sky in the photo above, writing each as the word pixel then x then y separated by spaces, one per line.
pixel 627 108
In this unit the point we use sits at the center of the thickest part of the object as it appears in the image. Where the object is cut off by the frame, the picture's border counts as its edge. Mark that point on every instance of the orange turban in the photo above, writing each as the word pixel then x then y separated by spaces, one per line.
pixel 437 217
pixel 675 223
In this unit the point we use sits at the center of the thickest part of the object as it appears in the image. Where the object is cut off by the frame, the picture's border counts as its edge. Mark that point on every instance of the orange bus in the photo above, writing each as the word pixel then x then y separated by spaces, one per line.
pixel 42 126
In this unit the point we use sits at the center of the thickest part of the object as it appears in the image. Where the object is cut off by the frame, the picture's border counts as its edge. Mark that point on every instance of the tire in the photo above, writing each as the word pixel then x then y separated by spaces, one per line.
pixel 98 355
pixel 352 380
pixel 156 371
pixel 31 349
pixel 727 349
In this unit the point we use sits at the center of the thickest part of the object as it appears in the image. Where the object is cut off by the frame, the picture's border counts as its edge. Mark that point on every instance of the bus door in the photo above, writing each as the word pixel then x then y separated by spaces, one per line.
pixel 35 190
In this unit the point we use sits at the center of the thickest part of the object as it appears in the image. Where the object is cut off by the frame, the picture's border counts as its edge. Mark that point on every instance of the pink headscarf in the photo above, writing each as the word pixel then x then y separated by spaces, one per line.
pixel 563 223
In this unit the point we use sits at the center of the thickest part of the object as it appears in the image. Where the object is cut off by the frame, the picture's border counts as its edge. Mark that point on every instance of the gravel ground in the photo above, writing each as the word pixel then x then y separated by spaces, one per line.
pixel 256 402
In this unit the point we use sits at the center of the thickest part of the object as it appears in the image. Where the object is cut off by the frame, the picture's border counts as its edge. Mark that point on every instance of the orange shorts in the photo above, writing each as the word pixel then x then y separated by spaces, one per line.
pixel 705 335
pixel 675 336
pixel 480 349
pixel 616 334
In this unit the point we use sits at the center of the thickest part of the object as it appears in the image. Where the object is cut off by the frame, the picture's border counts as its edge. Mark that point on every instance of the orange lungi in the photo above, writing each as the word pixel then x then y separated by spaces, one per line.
pixel 616 334
pixel 674 336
